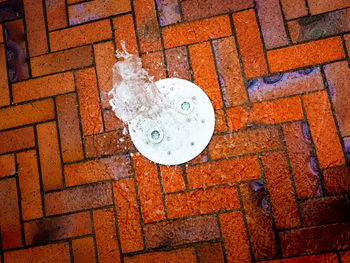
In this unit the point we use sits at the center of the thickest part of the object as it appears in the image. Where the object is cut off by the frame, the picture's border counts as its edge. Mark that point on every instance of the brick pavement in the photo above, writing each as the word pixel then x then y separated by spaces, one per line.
pixel 273 183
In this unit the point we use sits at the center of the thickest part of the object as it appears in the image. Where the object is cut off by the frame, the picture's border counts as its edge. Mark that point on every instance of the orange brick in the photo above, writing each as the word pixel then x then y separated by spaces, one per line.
pixel 245 142
pixel 49 153
pixel 327 258
pixel 345 256
pixel 147 25
pixel 90 111
pixel 151 202
pixel 78 198
pixel 68 126
pixel 196 31
pixel 154 64
pixel 18 139
pixel 128 215
pixel 43 87
pixel 111 168
pixel 202 201
pixel 56 228
pixel 323 130
pixel 80 35
pixel 220 122
pixel 229 70
pixel 61 61
pixel 172 178
pixel 265 113
pixel 106 236
pixel 35 27
pixel 235 237
pixel 280 187
pixel 11 235
pixel 4 89
pixel 112 122
pixel 52 253
pixel 249 43
pixel 37 111
pixel 83 250
pixel 69 2
pixel 321 6
pixel 104 59
pixel 204 73
pixel 211 252
pixel 56 14
pixel 307 54
pixel 96 9
pixel 1 34
pixel 201 158
pixel 184 255
pixel 223 172
pixel 177 63
pixel 294 9
pixel 7 165
pixel 124 30
pixel 337 180
pixel 347 42
pixel 28 176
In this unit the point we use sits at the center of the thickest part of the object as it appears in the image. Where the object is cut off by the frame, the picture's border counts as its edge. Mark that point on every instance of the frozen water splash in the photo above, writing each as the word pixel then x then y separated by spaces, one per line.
pixel 134 91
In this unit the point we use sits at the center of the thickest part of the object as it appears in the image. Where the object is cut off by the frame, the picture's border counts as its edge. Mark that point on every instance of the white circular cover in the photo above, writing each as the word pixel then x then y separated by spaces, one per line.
pixel 182 131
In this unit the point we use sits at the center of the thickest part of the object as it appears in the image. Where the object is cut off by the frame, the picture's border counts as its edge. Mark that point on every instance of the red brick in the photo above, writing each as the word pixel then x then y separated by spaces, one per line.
pixel 29 185
pixel 83 250
pixel 220 122
pixel 223 172
pixel 147 25
pixel 104 59
pixel 49 153
pixel 245 142
pixel 294 9
pixel 111 168
pixel 235 237
pixel 80 35
pixel 1 35
pixel 202 201
pixel 321 6
pixel 347 42
pixel 61 61
pixel 56 14
pixel 56 228
pixel 338 77
pixel 280 187
pixel 249 43
pixel 229 70
pixel 68 126
pixel 306 177
pixel 179 232
pixel 11 236
pixel 93 10
pixel 287 84
pixel 184 255
pixel 19 115
pixel 151 202
pixel 321 258
pixel 74 199
pixel 43 87
pixel 345 256
pixel 52 253
pixel 323 129
pixel 106 236
pixel 168 12
pixel 128 215
pixel 307 54
pixel 265 113
pixel 194 9
pixel 319 239
pixel 211 252
pixel 124 30
pixel 7 165
pixel 108 143
pixel 271 23
pixel 325 210
pixel 337 180
pixel 154 64
pixel 204 73
pixel 259 222
pixel 177 63
pixel 111 121
pixel 35 27
pixel 196 31
pixel 4 89
pixel 18 139
pixel 172 178
pixel 90 111
pixel 69 2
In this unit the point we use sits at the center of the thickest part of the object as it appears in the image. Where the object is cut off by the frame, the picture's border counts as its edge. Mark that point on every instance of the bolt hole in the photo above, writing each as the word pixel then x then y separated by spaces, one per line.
pixel 155 135
pixel 202 121
pixel 185 105
pixel 169 152
pixel 192 143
